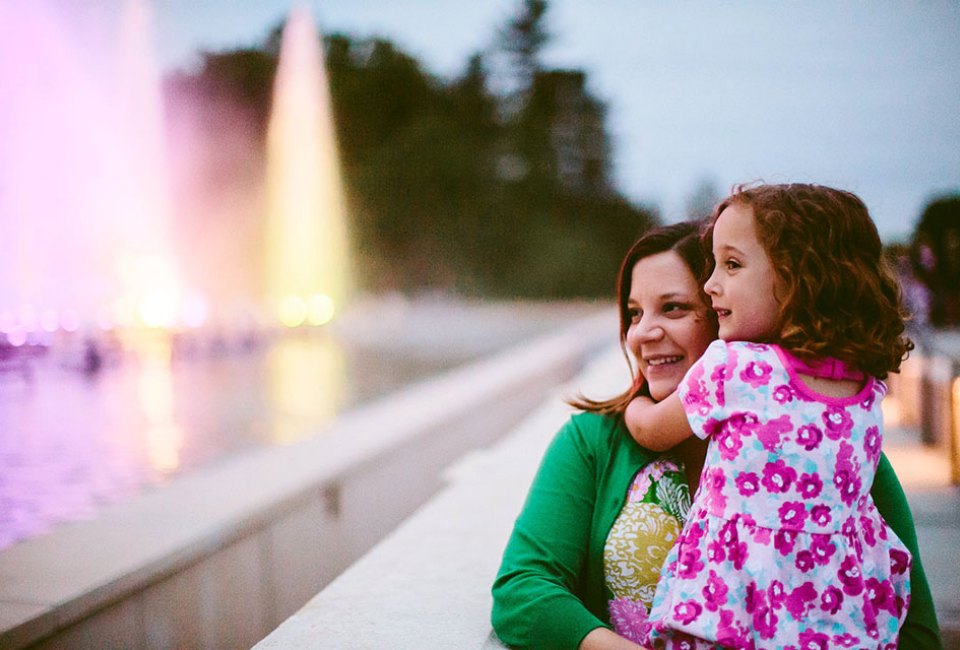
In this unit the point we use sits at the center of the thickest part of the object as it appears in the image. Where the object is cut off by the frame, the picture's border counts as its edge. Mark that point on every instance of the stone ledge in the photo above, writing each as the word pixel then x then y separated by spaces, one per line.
pixel 428 583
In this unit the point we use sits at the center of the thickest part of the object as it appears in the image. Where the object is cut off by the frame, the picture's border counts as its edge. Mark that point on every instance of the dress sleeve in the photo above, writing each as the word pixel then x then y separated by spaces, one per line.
pixel 534 595
pixel 703 390
pixel 920 630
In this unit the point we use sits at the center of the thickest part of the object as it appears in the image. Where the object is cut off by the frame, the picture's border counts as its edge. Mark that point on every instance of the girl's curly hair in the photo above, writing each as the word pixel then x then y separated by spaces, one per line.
pixel 839 298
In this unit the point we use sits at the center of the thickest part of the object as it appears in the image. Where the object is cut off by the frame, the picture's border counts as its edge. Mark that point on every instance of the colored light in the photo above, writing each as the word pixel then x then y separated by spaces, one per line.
pixel 49 321
pixel 304 376
pixel 194 312
pixel 17 337
pixel 158 310
pixel 28 319
pixel 155 387
pixel 293 311
pixel 307 249
pixel 70 321
pixel 320 309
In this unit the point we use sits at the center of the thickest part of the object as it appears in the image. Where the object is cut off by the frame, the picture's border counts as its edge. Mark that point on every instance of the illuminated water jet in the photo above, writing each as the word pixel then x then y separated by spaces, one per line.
pixel 307 259
pixel 84 202
pixel 152 294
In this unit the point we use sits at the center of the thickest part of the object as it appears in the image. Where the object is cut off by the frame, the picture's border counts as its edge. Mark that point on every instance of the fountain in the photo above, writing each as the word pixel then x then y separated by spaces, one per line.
pixel 85 203
pixel 307 264
pixel 104 256
pixel 94 254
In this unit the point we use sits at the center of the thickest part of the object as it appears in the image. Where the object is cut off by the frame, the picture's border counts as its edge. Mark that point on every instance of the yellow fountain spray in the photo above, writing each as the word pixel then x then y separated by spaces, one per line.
pixel 307 263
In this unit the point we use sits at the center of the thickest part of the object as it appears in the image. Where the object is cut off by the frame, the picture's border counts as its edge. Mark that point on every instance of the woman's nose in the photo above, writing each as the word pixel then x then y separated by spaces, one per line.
pixel 647 330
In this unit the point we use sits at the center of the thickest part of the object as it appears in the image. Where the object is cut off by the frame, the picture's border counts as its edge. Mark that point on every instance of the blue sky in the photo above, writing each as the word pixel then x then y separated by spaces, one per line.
pixel 860 95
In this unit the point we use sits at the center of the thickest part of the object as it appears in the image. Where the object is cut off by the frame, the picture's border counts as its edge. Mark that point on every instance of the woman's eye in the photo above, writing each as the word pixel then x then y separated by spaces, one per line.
pixel 634 315
pixel 675 308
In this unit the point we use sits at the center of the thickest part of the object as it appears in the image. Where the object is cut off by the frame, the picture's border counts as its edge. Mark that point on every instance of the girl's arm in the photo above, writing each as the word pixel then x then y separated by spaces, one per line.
pixel 658 426
pixel 604 639
pixel 920 631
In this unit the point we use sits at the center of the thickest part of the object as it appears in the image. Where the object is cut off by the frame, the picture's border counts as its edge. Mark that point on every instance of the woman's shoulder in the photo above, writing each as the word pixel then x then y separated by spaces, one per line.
pixel 601 432
pixel 604 440
pixel 596 425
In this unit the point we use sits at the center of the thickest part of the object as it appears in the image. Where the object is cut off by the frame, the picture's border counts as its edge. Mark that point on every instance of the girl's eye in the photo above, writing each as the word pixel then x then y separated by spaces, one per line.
pixel 634 316
pixel 731 264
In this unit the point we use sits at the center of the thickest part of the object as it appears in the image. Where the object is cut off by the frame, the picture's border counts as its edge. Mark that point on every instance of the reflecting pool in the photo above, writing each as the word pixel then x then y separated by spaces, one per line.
pixel 76 436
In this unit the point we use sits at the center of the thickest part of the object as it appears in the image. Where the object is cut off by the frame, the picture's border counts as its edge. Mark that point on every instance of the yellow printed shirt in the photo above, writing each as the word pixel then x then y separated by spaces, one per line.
pixel 653 514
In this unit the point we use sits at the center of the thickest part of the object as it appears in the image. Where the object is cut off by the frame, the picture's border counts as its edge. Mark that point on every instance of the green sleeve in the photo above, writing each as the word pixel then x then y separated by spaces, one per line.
pixel 920 631
pixel 535 602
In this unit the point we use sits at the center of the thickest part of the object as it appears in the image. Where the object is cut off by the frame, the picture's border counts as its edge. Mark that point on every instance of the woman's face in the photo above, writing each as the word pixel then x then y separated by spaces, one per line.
pixel 669 328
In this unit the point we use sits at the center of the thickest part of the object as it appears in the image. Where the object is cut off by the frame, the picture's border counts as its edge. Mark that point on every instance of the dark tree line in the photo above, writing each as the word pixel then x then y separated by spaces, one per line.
pixel 450 185
pixel 935 253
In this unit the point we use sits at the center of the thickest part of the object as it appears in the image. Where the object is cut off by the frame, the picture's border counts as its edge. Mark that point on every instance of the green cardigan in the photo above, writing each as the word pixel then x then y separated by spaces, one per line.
pixel 550 590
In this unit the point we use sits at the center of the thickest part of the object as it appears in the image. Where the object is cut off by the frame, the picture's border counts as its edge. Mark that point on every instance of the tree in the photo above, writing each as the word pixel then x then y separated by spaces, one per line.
pixel 936 258
pixel 522 39
pixel 423 162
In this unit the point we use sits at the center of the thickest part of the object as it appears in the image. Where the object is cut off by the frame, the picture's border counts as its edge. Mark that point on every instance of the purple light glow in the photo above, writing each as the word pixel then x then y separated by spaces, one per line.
pixel 82 166
pixel 131 271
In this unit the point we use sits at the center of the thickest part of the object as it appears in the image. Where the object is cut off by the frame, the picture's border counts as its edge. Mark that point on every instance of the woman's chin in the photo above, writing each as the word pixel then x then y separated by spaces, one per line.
pixel 663 379
pixel 661 388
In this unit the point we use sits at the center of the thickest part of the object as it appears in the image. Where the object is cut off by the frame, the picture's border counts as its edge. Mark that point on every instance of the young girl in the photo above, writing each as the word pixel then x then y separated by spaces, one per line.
pixel 783 547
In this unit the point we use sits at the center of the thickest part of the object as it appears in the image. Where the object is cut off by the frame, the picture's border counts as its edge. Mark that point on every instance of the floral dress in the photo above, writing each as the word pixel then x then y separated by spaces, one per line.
pixel 656 506
pixel 783 547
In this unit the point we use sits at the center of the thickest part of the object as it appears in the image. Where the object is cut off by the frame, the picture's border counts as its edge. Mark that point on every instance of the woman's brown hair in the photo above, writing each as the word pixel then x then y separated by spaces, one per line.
pixel 683 239
pixel 839 297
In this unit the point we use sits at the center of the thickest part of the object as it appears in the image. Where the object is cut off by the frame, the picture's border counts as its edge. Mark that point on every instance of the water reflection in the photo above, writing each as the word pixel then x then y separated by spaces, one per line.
pixel 75 436
pixel 164 437
pixel 72 440
pixel 306 383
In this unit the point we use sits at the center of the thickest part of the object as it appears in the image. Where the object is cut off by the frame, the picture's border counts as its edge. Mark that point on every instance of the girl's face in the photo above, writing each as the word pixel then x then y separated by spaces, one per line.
pixel 669 329
pixel 743 284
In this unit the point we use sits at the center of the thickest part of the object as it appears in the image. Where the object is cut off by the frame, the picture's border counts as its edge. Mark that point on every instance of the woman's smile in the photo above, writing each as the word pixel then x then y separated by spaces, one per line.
pixel 663 361
pixel 667 330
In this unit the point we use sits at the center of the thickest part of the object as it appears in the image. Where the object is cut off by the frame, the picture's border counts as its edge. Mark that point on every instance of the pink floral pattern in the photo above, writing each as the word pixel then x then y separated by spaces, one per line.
pixel 784 547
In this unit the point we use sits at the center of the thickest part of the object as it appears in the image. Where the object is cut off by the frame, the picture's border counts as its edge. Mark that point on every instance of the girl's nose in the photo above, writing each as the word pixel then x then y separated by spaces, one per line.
pixel 712 287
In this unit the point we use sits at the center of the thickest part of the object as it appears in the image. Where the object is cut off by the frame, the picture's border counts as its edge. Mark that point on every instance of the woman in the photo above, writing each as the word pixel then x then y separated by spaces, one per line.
pixel 586 550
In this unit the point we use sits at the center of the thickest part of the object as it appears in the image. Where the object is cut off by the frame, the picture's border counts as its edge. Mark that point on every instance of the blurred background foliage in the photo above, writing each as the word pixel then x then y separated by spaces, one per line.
pixel 495 183
pixel 452 185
